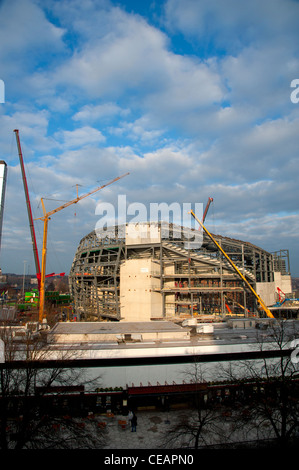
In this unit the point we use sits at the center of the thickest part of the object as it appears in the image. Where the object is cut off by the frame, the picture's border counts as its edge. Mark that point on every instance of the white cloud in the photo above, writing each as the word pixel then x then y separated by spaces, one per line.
pixel 255 49
pixel 33 127
pixel 133 57
pixel 97 92
pixel 125 56
pixel 100 112
pixel 27 38
pixel 25 28
pixel 229 26
pixel 81 137
pixel 140 130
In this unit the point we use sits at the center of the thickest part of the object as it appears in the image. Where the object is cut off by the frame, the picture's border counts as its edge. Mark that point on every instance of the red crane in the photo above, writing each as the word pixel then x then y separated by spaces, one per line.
pixel 206 209
pixel 31 224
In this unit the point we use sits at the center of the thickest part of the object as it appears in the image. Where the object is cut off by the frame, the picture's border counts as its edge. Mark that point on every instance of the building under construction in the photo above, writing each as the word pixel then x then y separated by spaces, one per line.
pixel 163 271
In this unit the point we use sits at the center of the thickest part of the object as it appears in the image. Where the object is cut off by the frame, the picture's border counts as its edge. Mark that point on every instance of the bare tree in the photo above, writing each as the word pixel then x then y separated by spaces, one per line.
pixel 273 401
pixel 29 417
pixel 201 426
pixel 264 397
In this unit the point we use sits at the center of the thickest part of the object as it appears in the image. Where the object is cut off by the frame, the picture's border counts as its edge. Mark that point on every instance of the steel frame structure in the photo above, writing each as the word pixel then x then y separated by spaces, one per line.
pixel 199 282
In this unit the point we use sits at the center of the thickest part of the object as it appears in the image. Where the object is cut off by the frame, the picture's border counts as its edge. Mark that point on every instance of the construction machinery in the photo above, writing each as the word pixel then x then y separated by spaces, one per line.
pixel 31 224
pixel 210 200
pixel 206 209
pixel 284 299
pixel 281 294
pixel 234 302
pixel 30 217
pixel 45 219
pixel 258 298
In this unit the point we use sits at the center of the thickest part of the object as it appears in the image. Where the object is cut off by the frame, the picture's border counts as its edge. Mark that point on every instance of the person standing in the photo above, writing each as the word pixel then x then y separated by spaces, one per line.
pixel 133 423
pixel 130 416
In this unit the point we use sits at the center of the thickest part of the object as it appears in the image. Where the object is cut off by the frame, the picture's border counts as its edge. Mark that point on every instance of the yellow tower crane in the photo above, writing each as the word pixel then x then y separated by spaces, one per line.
pixel 46 218
pixel 260 301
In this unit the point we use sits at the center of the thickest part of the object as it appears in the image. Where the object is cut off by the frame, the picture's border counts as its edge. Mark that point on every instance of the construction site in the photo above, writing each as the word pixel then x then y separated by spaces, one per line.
pixel 146 302
pixel 160 271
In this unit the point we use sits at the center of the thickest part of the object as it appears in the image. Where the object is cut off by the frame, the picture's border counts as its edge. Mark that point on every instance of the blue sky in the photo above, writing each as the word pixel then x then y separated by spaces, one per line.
pixel 193 98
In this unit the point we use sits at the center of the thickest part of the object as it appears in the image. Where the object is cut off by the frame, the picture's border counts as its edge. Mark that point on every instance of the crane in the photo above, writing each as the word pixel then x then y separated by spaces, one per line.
pixel 235 302
pixel 206 209
pixel 45 219
pixel 31 224
pixel 281 297
pixel 260 301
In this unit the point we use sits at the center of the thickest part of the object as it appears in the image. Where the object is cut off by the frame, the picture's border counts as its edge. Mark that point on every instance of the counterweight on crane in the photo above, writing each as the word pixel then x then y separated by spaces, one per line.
pixel 45 219
pixel 260 301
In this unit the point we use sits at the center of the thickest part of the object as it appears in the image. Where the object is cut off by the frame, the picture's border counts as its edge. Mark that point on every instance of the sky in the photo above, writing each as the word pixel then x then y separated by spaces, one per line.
pixel 194 98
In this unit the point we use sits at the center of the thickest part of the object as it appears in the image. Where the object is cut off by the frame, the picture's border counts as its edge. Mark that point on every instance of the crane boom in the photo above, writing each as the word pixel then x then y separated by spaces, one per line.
pixel 260 301
pixel 31 224
pixel 206 209
pixel 205 212
pixel 45 219
pixel 78 198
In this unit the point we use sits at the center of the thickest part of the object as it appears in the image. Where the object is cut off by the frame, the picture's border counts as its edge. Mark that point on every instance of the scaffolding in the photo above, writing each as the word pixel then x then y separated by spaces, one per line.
pixel 281 261
pixel 192 278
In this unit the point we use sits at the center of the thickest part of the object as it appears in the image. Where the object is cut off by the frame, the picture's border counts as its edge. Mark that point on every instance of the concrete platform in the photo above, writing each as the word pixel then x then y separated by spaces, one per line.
pixel 152 427
pixel 101 332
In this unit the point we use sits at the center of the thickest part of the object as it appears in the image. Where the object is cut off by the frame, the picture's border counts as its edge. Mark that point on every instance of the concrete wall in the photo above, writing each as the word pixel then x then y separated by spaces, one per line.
pixel 284 282
pixel 266 290
pixel 139 301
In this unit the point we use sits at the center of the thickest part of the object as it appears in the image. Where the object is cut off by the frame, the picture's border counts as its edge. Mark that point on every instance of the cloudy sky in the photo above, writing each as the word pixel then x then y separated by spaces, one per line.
pixel 192 97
